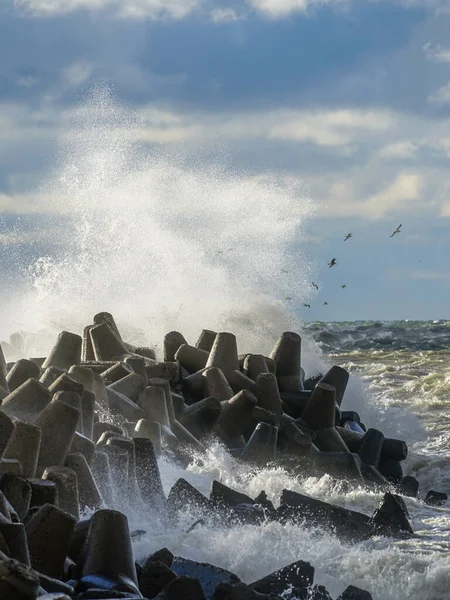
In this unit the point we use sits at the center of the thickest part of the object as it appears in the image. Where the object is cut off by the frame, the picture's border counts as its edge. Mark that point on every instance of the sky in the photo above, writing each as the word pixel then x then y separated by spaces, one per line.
pixel 352 98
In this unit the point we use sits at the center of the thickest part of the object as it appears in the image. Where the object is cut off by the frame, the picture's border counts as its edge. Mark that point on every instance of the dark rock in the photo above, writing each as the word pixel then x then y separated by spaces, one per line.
pixel 184 495
pixel 355 593
pixel 17 581
pixel 408 486
pixel 298 576
pixel 392 470
pixel 223 496
pixel 349 415
pixel 239 591
pixel 54 586
pixel 345 523
pixel 208 575
pixel 318 592
pixel 434 498
pixel 390 517
pixel 182 588
pixel 154 578
pixel 163 556
pixel 371 446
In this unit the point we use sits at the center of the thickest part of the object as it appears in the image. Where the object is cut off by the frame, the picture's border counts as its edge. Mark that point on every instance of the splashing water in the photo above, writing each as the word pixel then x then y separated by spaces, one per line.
pixel 163 239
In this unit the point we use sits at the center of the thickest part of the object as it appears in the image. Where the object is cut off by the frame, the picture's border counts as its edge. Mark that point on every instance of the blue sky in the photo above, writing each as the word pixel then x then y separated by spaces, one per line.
pixel 351 97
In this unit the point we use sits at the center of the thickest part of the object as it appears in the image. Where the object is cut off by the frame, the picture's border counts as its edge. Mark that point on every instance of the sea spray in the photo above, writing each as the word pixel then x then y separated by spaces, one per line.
pixel 175 235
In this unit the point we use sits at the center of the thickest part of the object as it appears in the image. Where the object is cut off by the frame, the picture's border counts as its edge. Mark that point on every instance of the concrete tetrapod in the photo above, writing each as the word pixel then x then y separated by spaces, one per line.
pixel 150 430
pixel 27 401
pixel 268 395
pixel 320 410
pixel 22 370
pixel 50 523
pixel 6 431
pixel 206 340
pixel 236 415
pixel 338 378
pixel 106 344
pixel 108 551
pixel 67 486
pixel 200 418
pixel 102 475
pixel 88 493
pixel 287 357
pixel 66 351
pixel 261 447
pixel 172 341
pixel 58 422
pixel 24 445
pixel 148 475
pixel 215 384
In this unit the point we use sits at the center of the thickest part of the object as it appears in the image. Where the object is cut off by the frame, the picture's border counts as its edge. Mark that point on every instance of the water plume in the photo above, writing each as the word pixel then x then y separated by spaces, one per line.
pixel 164 238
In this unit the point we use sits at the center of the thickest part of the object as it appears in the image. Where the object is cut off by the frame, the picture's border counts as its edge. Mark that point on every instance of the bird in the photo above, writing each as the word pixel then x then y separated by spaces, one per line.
pixel 343 286
pixel 284 271
pixel 332 263
pixel 306 305
pixel 325 303
pixel 396 231
pixel 348 236
pixel 314 285
pixel 288 298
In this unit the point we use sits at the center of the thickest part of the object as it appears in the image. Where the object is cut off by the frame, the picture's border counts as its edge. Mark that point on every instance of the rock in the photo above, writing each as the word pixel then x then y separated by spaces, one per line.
pixel 208 575
pixel 338 378
pixel 354 593
pixel 408 486
pixel 183 495
pixel 318 592
pixel 371 447
pixel 163 556
pixel 154 577
pixel 298 576
pixel 239 591
pixel 345 523
pixel 182 588
pixel 434 498
pixel 287 357
pixel 225 497
pixel 390 517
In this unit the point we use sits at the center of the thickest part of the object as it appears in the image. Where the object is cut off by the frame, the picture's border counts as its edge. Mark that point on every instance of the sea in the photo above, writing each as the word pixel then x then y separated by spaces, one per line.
pixel 171 240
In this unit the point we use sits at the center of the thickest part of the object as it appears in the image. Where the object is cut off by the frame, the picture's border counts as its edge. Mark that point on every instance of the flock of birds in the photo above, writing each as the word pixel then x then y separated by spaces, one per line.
pixel 333 263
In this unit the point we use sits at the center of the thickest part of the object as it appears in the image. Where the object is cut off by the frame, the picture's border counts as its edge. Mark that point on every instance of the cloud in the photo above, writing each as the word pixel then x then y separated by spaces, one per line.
pixel 282 8
pixel 132 9
pixel 403 149
pixel 441 96
pixel 437 53
pixel 77 73
pixel 225 15
pixel 445 210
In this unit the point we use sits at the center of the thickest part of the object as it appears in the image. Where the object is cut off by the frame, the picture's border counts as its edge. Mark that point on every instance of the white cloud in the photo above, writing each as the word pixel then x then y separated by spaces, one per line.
pixel 283 8
pixel 133 9
pixel 77 73
pixel 403 149
pixel 441 96
pixel 445 210
pixel 437 53
pixel 429 275
pixel 225 15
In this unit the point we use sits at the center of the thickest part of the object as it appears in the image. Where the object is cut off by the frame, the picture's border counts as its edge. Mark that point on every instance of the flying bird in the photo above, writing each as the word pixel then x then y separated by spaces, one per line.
pixel 343 286
pixel 288 298
pixel 307 305
pixel 348 236
pixel 332 263
pixel 284 271
pixel 314 285
pixel 325 303
pixel 396 231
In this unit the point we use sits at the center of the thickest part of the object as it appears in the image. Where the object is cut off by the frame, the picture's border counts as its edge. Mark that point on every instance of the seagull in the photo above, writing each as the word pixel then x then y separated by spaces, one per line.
pixel 396 231
pixel 288 298
pixel 315 285
pixel 332 263
pixel 284 271
pixel 307 305
pixel 325 303
pixel 348 236
pixel 343 286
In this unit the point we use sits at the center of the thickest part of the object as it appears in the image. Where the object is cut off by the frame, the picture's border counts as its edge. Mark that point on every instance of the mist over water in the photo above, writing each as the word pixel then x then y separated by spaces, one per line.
pixel 164 238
